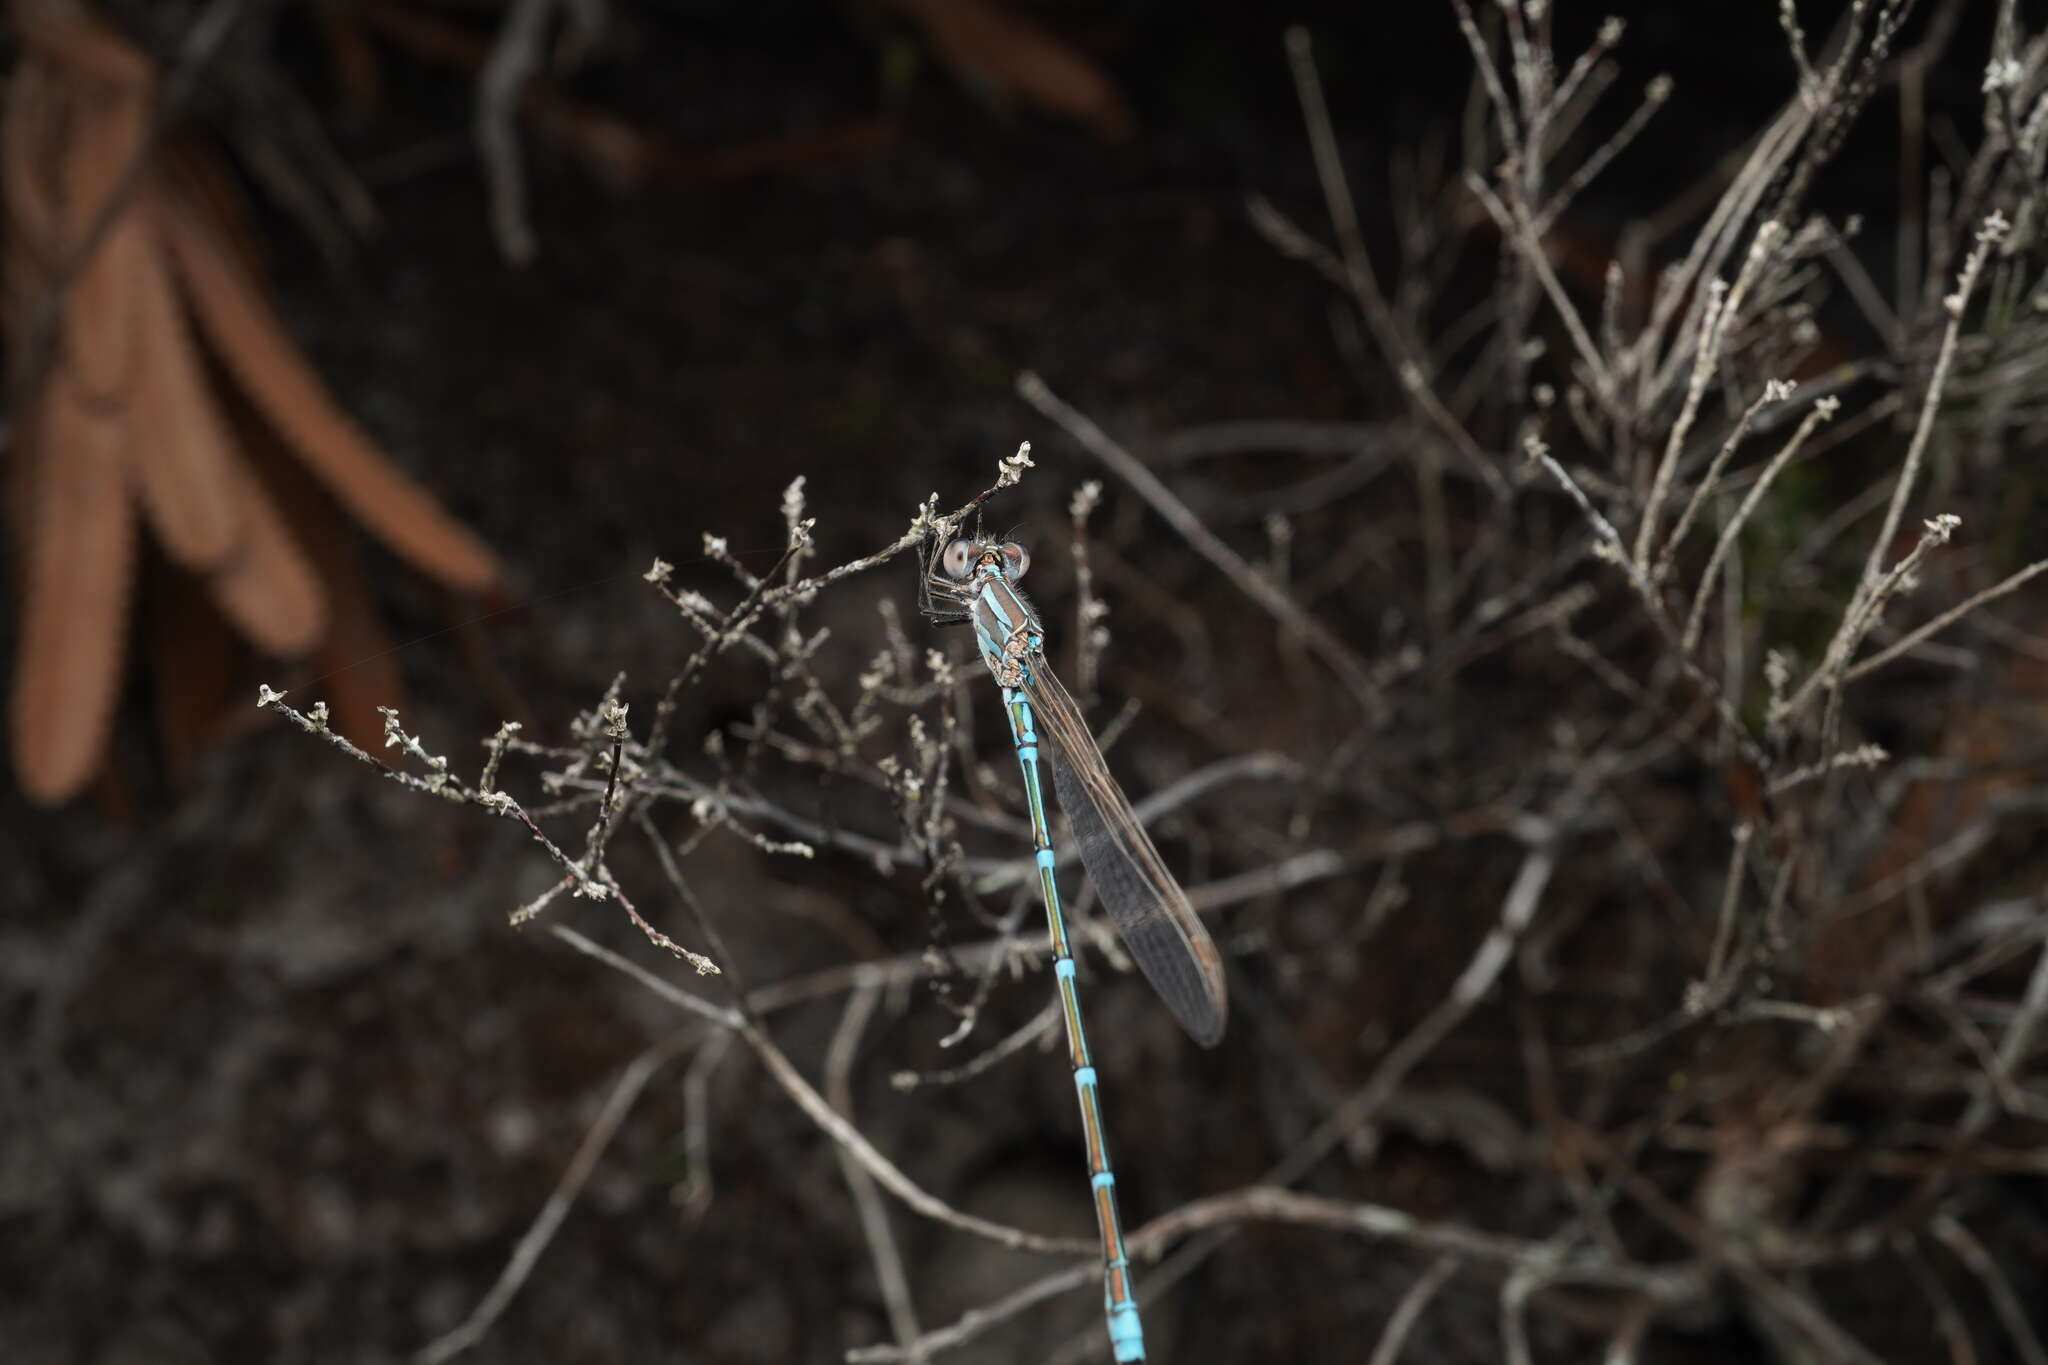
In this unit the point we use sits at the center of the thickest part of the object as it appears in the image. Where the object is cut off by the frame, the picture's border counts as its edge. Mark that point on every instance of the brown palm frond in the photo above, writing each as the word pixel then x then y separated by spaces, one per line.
pixel 74 594
pixel 269 589
pixel 184 466
pixel 254 347
pixel 162 329
pixel 108 122
pixel 1013 58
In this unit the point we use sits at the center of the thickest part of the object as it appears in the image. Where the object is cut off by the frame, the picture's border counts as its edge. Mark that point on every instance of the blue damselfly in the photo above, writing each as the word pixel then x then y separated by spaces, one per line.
pixel 975 580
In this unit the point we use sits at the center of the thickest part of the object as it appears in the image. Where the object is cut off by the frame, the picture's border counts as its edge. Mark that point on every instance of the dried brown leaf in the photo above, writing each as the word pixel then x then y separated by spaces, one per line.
pixel 80 548
pixel 106 127
pixel 84 45
pixel 237 320
pixel 202 178
pixel 269 589
pixel 180 452
pixel 992 47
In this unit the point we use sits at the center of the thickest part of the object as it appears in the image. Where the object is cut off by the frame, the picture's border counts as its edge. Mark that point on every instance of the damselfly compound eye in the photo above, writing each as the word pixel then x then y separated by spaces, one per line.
pixel 958 561
pixel 1016 559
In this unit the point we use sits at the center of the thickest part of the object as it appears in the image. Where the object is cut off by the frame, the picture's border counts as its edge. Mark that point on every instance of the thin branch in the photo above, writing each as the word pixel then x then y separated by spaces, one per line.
pixel 625 1091
pixel 1721 309
pixel 1922 634
pixel 1955 305
pixel 874 1218
pixel 856 1144
pixel 1655 95
pixel 2005 1301
pixel 1334 653
pixel 1518 909
pixel 1776 391
pixel 1289 239
pixel 514 57
pixel 1409 1311
pixel 1512 218
pixel 1823 410
pixel 1724 922
pixel 1679 1283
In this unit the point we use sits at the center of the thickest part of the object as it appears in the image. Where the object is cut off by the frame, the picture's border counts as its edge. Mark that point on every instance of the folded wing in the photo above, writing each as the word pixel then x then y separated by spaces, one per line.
pixel 1147 906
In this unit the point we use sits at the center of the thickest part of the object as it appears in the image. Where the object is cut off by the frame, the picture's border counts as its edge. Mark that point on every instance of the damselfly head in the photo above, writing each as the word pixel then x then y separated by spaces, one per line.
pixel 963 557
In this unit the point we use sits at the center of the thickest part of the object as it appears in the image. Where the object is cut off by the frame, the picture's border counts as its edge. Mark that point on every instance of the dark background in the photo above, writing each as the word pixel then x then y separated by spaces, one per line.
pixel 280 1083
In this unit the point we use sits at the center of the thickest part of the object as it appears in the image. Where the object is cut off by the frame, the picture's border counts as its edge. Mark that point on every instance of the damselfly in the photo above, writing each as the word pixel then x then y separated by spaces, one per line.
pixel 975 580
